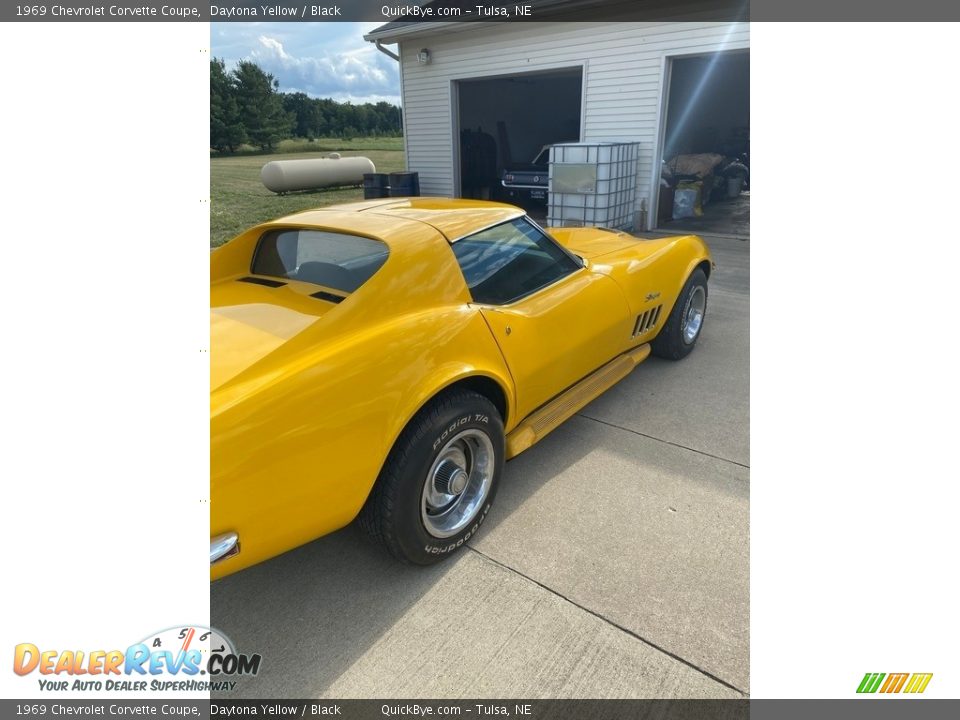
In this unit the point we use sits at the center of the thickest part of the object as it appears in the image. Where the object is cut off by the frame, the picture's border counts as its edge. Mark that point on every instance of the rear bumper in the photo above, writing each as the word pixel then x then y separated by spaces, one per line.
pixel 512 186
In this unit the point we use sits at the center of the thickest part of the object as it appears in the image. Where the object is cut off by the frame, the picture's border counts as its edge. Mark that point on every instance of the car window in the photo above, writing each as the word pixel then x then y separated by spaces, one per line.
pixel 509 261
pixel 335 260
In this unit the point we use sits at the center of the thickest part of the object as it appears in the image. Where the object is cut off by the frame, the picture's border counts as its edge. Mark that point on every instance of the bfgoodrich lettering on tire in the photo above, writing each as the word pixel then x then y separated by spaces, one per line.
pixel 439 480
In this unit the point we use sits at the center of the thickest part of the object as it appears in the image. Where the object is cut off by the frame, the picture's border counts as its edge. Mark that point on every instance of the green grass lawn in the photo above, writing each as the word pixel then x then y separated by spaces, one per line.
pixel 238 199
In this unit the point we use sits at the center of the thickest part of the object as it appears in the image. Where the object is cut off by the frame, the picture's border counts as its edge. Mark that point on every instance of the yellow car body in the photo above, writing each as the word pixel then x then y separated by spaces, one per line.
pixel 308 396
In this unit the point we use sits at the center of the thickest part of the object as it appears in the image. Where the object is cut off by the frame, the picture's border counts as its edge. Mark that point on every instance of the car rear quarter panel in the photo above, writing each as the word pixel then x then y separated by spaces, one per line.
pixel 297 446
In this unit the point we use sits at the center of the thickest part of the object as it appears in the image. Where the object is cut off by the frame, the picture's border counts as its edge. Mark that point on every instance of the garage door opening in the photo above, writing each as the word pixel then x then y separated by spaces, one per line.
pixel 705 178
pixel 504 122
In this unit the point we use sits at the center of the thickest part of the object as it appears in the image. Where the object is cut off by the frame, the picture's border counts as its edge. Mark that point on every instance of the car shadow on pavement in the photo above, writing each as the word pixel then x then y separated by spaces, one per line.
pixel 313 611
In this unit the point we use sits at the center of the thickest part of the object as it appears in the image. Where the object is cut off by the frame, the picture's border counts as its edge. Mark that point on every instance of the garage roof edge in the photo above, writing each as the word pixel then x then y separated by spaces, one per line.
pixel 398 30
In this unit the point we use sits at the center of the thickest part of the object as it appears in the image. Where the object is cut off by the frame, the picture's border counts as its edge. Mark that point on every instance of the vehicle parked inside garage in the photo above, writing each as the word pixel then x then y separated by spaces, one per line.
pixel 528 181
pixel 384 359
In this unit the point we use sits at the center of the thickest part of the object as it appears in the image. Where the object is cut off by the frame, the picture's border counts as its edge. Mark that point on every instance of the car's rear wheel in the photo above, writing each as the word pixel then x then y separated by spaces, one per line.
pixel 682 330
pixel 439 480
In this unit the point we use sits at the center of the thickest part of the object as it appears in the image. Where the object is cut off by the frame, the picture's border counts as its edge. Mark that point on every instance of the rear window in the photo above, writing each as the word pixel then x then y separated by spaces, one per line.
pixel 335 260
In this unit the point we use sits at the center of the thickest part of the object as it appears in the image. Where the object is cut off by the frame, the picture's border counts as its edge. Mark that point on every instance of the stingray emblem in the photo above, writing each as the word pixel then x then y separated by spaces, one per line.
pixel 652 296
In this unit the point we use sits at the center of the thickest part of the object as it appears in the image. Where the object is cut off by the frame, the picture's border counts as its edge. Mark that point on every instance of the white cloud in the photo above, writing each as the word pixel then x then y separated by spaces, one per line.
pixel 314 61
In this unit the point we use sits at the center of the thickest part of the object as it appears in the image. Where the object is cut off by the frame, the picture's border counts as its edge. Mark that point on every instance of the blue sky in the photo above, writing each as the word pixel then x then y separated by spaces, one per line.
pixel 329 60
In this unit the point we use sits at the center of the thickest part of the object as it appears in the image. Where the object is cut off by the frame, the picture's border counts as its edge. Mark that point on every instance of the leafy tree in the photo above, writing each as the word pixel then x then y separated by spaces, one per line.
pixel 247 106
pixel 388 118
pixel 261 106
pixel 226 129
pixel 303 110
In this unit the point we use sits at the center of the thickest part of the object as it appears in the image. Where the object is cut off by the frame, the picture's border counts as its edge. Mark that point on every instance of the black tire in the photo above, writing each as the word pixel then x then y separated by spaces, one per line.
pixel 672 342
pixel 396 513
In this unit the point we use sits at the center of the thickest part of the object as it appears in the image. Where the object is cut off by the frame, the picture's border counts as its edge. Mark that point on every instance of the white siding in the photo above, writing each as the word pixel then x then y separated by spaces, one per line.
pixel 624 66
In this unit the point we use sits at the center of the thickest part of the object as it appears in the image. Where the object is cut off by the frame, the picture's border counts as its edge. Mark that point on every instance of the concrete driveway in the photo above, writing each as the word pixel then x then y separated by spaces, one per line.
pixel 614 564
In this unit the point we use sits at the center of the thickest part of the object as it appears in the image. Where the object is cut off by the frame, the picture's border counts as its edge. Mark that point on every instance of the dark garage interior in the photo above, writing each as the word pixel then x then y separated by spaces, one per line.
pixel 505 121
pixel 705 181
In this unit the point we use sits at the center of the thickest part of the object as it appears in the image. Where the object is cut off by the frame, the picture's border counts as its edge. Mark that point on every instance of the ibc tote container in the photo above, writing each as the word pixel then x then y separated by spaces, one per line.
pixel 593 184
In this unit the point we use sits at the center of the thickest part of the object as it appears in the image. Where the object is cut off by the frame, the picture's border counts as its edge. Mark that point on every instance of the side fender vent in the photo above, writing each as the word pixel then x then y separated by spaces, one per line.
pixel 646 321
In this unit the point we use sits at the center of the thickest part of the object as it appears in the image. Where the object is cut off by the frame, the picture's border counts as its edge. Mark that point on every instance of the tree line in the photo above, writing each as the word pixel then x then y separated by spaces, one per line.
pixel 247 107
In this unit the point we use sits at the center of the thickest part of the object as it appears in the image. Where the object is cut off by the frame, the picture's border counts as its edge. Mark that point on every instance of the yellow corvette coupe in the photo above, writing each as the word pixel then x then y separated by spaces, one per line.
pixel 384 358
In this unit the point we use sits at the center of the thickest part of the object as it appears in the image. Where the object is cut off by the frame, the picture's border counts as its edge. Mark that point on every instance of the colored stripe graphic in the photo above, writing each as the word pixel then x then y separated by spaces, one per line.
pixel 918 683
pixel 870 682
pixel 894 682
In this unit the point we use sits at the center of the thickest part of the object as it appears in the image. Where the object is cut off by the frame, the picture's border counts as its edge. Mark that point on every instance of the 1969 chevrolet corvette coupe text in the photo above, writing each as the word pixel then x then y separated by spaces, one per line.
pixel 384 359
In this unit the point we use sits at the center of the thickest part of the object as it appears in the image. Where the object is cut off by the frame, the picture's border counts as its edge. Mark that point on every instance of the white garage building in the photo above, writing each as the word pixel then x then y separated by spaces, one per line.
pixel 673 87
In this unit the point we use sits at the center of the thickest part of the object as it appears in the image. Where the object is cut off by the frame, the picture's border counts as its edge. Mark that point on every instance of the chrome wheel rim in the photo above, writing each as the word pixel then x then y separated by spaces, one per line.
pixel 457 484
pixel 693 314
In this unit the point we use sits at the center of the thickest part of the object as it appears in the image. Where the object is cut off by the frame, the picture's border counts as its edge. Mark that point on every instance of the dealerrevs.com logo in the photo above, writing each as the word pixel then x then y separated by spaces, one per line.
pixel 184 658
pixel 911 683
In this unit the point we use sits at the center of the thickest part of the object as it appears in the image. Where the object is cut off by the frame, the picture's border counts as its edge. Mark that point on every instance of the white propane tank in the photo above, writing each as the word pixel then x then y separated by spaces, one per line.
pixel 282 176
